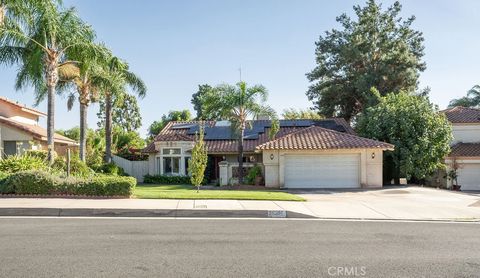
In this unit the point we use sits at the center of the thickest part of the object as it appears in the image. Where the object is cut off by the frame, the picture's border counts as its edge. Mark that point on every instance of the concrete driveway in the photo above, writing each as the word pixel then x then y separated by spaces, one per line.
pixel 393 203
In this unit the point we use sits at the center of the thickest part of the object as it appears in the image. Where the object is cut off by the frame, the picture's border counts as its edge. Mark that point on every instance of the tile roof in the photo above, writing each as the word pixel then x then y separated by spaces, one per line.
pixel 23 107
pixel 459 114
pixel 318 138
pixel 38 132
pixel 181 131
pixel 465 149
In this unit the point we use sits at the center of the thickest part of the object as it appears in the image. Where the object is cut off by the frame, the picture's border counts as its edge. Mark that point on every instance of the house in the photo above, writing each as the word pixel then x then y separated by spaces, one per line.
pixel 304 153
pixel 20 130
pixel 465 148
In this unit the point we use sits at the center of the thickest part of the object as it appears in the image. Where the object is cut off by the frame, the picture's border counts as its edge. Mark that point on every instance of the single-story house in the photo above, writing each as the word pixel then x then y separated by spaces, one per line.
pixel 304 153
pixel 20 130
pixel 465 147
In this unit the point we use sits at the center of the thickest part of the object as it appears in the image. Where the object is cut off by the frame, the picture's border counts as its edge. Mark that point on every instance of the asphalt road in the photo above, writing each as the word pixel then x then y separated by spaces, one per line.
pixel 65 247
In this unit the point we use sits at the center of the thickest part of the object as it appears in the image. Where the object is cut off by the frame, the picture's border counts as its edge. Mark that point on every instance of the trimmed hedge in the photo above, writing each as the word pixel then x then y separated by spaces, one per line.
pixel 166 179
pixel 38 182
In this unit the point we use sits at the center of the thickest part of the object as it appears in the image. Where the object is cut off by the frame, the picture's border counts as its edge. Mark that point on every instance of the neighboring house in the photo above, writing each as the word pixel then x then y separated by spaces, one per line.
pixel 20 130
pixel 465 145
pixel 304 153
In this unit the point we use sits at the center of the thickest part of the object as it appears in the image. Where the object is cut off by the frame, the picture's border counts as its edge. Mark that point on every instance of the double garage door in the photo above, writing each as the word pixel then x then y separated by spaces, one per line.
pixel 469 176
pixel 322 171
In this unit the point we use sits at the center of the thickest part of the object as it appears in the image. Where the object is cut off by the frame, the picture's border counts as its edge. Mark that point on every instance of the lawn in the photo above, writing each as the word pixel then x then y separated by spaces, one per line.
pixel 156 191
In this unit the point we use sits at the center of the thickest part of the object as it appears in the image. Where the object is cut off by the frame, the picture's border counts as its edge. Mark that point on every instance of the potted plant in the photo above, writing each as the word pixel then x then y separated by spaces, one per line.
pixel 254 175
pixel 452 175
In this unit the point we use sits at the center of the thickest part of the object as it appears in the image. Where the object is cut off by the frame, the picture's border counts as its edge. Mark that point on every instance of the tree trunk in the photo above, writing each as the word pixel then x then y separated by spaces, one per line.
pixel 3 10
pixel 240 155
pixel 52 80
pixel 108 128
pixel 83 131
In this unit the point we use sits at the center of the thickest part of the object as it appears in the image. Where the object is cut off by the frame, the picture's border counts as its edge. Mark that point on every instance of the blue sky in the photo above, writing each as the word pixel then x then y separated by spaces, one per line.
pixel 176 45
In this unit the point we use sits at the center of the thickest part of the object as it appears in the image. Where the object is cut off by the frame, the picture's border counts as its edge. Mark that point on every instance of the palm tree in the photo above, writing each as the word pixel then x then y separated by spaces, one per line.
pixel 41 46
pixel 471 100
pixel 238 104
pixel 118 77
pixel 88 79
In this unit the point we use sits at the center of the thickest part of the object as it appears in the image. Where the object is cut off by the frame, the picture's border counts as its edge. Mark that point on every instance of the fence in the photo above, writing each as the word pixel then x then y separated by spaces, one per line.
pixel 136 169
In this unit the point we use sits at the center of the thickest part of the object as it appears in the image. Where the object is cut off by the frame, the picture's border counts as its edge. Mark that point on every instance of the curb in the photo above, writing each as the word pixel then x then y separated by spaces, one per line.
pixel 174 213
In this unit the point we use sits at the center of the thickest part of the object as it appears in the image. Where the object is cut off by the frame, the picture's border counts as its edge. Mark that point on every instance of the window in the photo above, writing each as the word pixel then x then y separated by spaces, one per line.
pixel 187 160
pixel 171 151
pixel 171 165
pixel 9 148
pixel 159 172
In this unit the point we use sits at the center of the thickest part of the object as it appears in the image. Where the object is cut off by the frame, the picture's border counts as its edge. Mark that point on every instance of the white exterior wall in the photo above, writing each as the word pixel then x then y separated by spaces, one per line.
pixel 371 167
pixel 466 133
pixel 185 146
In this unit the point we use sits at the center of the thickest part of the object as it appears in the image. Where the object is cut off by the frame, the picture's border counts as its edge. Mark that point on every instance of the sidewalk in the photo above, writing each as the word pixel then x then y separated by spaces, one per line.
pixel 410 203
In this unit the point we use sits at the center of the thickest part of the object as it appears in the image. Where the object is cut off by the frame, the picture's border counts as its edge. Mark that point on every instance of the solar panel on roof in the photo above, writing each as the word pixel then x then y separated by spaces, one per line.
pixel 224 132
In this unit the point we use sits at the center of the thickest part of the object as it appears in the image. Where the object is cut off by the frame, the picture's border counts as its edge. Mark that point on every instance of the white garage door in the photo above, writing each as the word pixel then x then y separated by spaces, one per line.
pixel 322 171
pixel 469 176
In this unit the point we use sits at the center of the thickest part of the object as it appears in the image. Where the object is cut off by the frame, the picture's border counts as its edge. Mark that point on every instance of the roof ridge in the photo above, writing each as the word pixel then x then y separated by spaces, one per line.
pixel 303 130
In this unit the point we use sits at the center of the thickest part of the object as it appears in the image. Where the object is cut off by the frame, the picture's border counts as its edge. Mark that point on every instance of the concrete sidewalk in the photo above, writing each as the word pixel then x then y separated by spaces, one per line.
pixel 409 203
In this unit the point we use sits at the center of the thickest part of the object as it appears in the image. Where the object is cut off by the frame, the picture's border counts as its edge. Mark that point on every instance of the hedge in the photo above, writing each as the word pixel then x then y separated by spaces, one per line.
pixel 39 182
pixel 166 179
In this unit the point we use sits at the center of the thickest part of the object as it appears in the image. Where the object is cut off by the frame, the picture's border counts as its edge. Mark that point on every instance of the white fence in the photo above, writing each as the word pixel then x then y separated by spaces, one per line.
pixel 136 169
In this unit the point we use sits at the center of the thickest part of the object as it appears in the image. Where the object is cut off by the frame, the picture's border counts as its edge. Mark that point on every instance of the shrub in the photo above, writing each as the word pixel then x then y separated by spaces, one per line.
pixel 17 163
pixel 3 178
pixel 77 167
pixel 253 173
pixel 94 159
pixel 43 155
pixel 166 179
pixel 106 186
pixel 32 182
pixel 38 182
pixel 111 169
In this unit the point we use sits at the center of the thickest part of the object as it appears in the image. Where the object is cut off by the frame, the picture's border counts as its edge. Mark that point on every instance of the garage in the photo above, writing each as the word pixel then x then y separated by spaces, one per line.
pixel 469 176
pixel 322 171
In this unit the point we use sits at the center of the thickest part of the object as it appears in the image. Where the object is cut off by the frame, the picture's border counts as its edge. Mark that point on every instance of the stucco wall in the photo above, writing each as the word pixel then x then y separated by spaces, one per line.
pixel 466 133
pixel 16 113
pixel 371 166
pixel 185 146
pixel 11 134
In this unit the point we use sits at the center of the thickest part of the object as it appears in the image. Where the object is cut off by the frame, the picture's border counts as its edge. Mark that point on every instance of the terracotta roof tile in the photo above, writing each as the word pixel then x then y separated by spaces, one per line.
pixel 459 114
pixel 465 149
pixel 230 146
pixel 318 138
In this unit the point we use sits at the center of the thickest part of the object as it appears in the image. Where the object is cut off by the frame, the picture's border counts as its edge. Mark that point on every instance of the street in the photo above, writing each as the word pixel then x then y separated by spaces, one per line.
pixel 76 247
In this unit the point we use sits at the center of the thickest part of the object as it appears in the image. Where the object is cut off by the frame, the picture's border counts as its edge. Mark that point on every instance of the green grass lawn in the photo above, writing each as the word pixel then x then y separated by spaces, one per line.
pixel 156 191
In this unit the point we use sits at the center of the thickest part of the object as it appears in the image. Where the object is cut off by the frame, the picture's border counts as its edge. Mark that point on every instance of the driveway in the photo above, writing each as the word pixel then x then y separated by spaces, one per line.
pixel 393 203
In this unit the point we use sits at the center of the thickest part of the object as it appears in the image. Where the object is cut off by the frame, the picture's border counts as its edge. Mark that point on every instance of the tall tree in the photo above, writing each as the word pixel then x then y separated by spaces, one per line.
pixel 176 115
pixel 238 104
pixel 197 101
pixel 420 134
pixel 41 46
pixel 379 49
pixel 294 114
pixel 125 113
pixel 88 80
pixel 119 76
pixel 472 99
